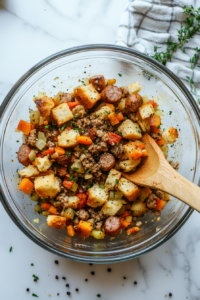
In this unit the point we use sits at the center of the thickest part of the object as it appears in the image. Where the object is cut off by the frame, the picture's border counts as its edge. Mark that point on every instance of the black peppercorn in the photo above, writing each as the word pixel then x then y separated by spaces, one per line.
pixel 56 277
pixel 86 279
pixel 35 280
pixel 67 285
pixel 64 278
pixel 124 277
pixel 76 290
pixel 109 269
pixel 68 293
pixel 92 273
pixel 135 282
pixel 56 262
pixel 170 294
pixel 27 290
pixel 58 294
pixel 91 264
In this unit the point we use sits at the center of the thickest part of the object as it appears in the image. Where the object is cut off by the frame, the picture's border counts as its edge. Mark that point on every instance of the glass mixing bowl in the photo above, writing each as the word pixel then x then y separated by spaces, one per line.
pixel 62 72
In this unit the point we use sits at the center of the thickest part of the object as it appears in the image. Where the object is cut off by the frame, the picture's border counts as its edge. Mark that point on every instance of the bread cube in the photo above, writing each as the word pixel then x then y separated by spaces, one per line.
pixel 47 186
pixel 29 171
pixel 122 105
pixel 127 150
pixel 113 176
pixel 67 139
pixel 87 95
pixel 77 109
pixel 84 229
pixel 129 165
pixel 62 114
pixel 130 130
pixel 144 124
pixel 110 208
pixel 42 163
pixel 134 88
pixel 170 135
pixel 56 222
pixel 144 193
pixel 128 189
pixel 73 202
pixel 45 105
pixel 146 110
pixel 103 113
pixel 97 196
pixel 138 208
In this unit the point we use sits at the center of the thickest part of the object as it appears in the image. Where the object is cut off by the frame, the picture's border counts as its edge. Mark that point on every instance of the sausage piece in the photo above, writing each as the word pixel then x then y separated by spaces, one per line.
pixel 112 226
pixel 62 171
pixel 66 97
pixel 107 162
pixel 133 102
pixel 98 81
pixel 111 94
pixel 23 154
pixel 63 160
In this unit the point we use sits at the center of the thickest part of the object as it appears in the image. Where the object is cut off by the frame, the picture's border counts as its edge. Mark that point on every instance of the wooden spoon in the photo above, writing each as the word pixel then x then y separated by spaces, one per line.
pixel 157 173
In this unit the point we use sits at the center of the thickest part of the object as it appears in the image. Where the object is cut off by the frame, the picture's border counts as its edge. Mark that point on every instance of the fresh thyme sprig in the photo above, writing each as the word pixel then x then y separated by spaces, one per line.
pixel 186 32
pixel 193 62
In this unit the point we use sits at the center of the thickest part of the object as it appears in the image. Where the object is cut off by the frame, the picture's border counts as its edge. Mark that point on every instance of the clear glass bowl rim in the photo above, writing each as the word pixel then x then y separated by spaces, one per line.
pixel 48 60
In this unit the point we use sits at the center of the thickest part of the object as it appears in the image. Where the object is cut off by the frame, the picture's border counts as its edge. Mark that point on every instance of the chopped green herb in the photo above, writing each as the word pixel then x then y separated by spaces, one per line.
pixel 117 111
pixel 158 127
pixel 32 264
pixel 34 276
pixel 33 159
pixel 179 129
pixel 46 126
pixel 170 112
pixel 34 295
pixel 107 112
pixel 68 154
pixel 76 116
pixel 82 146
pixel 75 169
pixel 102 187
pixel 79 129
pixel 116 181
pixel 117 144
pixel 17 141
pixel 88 186
pixel 45 199
pixel 118 133
pixel 64 126
pixel 10 249
pixel 72 178
pixel 162 110
pixel 33 95
pixel 120 75
pixel 125 117
pixel 17 170
pixel 99 295
pixel 88 171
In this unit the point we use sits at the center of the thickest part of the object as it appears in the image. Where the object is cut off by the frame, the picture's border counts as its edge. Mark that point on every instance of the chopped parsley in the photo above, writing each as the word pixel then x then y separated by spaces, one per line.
pixel 64 126
pixel 46 126
pixel 117 144
pixel 120 75
pixel 117 111
pixel 75 169
pixel 88 171
pixel 10 249
pixel 125 117
pixel 116 181
pixel 179 129
pixel 68 154
pixel 45 199
pixel 107 112
pixel 32 264
pixel 170 112
pixel 99 295
pixel 88 186
pixel 17 141
pixel 72 178
pixel 102 187
pixel 34 295
pixel 79 129
pixel 118 133
pixel 34 276
pixel 158 127
pixel 76 116
pixel 33 159
pixel 83 82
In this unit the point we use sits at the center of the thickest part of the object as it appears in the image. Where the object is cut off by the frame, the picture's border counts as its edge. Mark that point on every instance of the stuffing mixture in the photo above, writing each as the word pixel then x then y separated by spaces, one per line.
pixel 77 147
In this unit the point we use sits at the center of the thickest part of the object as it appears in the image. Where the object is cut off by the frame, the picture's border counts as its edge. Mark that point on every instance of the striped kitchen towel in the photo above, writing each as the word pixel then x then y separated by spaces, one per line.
pixel 148 23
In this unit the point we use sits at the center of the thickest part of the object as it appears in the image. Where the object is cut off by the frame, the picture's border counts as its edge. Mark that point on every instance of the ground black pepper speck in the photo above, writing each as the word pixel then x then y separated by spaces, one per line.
pixel 86 279
pixel 91 264
pixel 135 282
pixel 35 280
pixel 68 293
pixel 124 277
pixel 64 278
pixel 58 294
pixel 56 262
pixel 27 290
pixel 67 285
pixel 92 273
pixel 170 294
pixel 109 270
pixel 56 277
pixel 76 290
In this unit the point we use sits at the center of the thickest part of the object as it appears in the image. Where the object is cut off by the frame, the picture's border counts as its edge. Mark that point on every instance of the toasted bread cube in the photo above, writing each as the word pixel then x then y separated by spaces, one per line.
pixel 144 193
pixel 77 109
pixel 112 179
pixel 47 186
pixel 170 135
pixel 127 150
pixel 97 196
pixel 144 124
pixel 87 95
pixel 68 139
pixel 45 105
pixel 62 114
pixel 128 189
pixel 110 208
pixel 130 130
pixel 134 88
pixel 56 222
pixel 146 110
pixel 73 202
pixel 84 229
pixel 122 105
pixel 42 163
pixel 129 165
pixel 29 171
pixel 138 208
pixel 103 113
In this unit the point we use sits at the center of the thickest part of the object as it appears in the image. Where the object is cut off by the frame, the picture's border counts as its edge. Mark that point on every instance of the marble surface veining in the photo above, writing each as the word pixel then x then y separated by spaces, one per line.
pixel 30 31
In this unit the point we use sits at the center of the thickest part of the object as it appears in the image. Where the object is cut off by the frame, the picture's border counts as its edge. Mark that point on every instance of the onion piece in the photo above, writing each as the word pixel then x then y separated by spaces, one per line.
pixel 121 201
pixel 41 121
pixel 88 176
pixel 41 136
pixel 74 187
pixel 77 166
pixel 118 195
pixel 41 94
pixel 38 208
pixel 34 116
pixel 145 99
pixel 158 113
pixel 129 219
pixel 112 195
pixel 32 154
pixel 34 196
pixel 55 155
pixel 86 81
pixel 40 144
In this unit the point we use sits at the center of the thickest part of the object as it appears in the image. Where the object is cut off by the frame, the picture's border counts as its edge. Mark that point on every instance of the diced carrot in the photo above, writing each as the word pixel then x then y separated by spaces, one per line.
pixel 155 120
pixel 161 142
pixel 67 183
pixel 48 152
pixel 124 215
pixel 45 152
pixel 120 116
pixel 135 153
pixel 111 81
pixel 83 199
pixel 72 104
pixel 84 229
pixel 46 206
pixel 59 150
pixel 160 204
pixel 125 224
pixel 113 118
pixel 70 230
pixel 26 186
pixel 155 129
pixel 113 138
pixel 52 210
pixel 128 206
pixel 83 139
pixel 144 152
pixel 46 122
pixel 140 145
pixel 153 103
pixel 111 106
pixel 133 229
pixel 25 127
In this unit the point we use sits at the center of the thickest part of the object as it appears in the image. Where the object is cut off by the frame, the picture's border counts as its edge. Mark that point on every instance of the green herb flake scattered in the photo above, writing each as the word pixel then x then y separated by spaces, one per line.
pixel 99 295
pixel 34 276
pixel 179 129
pixel 79 129
pixel 72 178
pixel 75 169
pixel 125 117
pixel 10 249
pixel 120 75
pixel 17 141
pixel 88 186
pixel 64 126
pixel 116 181
pixel 102 187
pixel 32 264
pixel 117 144
pixel 34 295
pixel 68 154
pixel 88 171
pixel 46 126
pixel 33 159
pixel 45 199
pixel 170 112
pixel 158 127
pixel 107 112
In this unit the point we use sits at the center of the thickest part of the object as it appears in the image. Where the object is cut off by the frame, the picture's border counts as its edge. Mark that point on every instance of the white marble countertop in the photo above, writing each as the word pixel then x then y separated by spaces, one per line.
pixel 30 31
